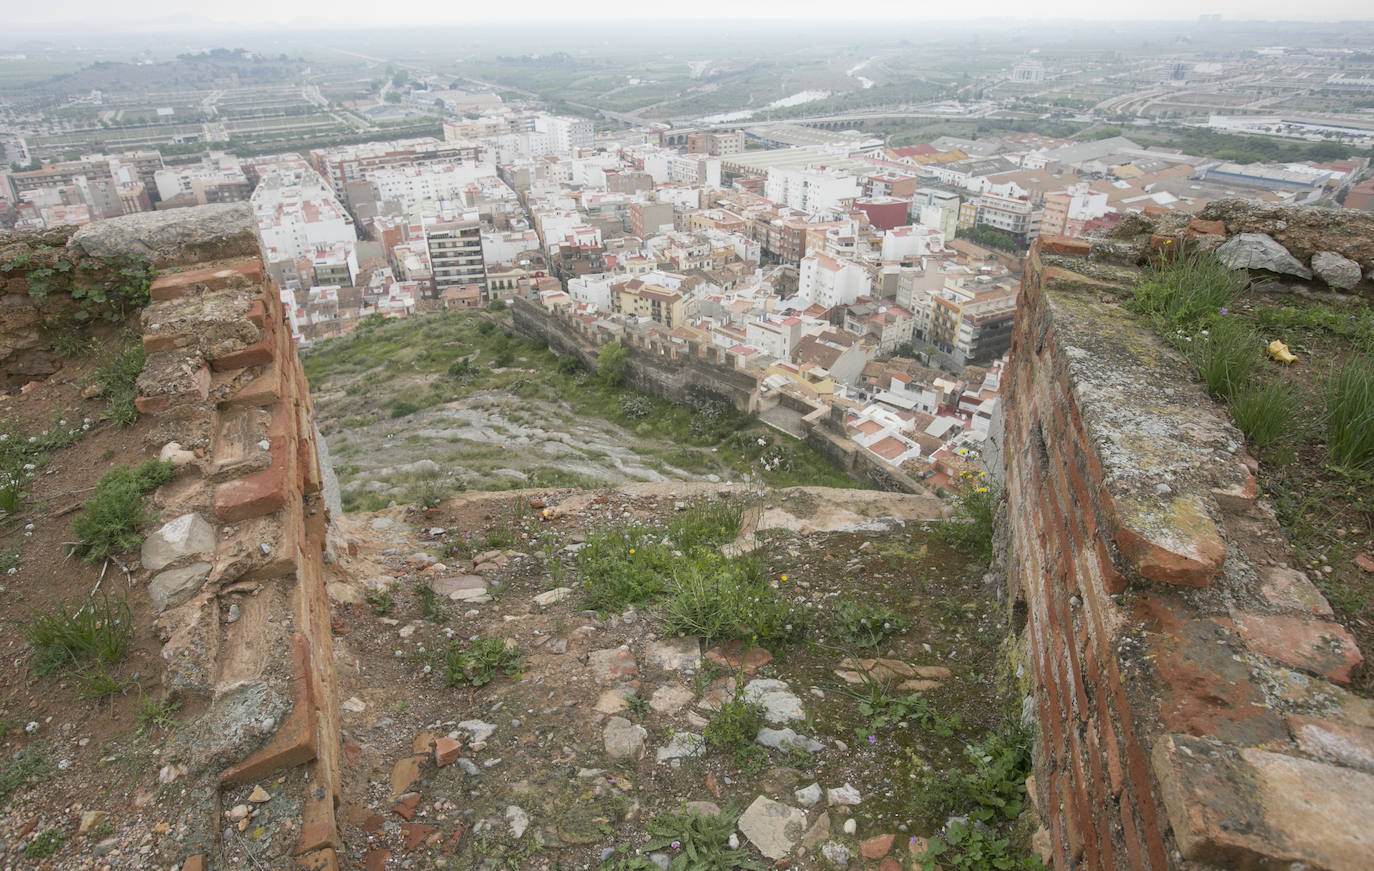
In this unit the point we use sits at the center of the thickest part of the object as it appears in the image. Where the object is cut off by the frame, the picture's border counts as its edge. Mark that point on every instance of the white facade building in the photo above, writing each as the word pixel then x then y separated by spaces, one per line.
pixel 297 212
pixel 829 282
pixel 901 243
pixel 567 134
pixel 813 190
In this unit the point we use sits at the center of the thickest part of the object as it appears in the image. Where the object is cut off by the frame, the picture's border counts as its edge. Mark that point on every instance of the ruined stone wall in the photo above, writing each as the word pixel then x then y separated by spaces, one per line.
pixel 679 371
pixel 236 572
pixel 1188 691
pixel 666 369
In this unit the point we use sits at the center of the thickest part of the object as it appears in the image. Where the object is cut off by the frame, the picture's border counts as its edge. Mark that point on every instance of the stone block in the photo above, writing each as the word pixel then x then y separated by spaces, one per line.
pixel 257 494
pixel 1342 743
pixel 1065 245
pixel 176 586
pixel 1204 688
pixel 296 740
pixel 1249 808
pixel 316 836
pixel 1290 590
pixel 1199 227
pixel 261 392
pixel 259 353
pixel 187 535
pixel 173 285
pixel 773 827
pixel 1316 646
pixel 319 860
pixel 446 751
pixel 1173 541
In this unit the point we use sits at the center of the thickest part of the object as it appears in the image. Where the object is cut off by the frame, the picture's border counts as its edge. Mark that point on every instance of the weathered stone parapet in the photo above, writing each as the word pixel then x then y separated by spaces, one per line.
pixel 1184 687
pixel 177 237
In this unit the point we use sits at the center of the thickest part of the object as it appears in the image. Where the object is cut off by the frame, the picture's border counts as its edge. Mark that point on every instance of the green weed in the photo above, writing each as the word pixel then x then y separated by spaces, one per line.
pixel 1350 415
pixel 969 526
pixel 865 623
pixel 1265 413
pixel 481 662
pixel 44 844
pixel 993 787
pixel 20 770
pixel 157 715
pixel 98 630
pixel 882 709
pixel 110 518
pixel 969 847
pixel 734 726
pixel 381 601
pixel 433 607
pixel 638 705
pixel 696 842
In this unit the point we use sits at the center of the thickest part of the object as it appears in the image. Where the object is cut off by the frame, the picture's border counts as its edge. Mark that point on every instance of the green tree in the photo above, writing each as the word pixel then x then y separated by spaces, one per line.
pixel 611 363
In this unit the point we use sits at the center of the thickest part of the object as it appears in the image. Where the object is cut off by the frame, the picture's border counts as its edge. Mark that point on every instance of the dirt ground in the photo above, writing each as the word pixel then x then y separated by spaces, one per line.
pixel 89 753
pixel 533 782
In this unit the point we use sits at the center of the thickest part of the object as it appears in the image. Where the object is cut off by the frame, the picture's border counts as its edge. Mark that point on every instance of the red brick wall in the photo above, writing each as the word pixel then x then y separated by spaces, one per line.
pixel 1131 504
pixel 226 321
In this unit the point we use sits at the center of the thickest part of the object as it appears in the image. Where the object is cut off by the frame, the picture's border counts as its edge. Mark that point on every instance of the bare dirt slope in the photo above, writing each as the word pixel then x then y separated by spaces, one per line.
pixel 575 755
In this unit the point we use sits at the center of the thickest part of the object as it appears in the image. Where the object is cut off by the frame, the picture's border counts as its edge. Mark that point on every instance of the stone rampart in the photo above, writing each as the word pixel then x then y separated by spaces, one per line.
pixel 251 636
pixel 1188 684
pixel 668 368
pixel 678 370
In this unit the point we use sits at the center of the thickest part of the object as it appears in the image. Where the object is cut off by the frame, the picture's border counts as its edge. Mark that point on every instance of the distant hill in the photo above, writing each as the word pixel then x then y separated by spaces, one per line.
pixel 219 67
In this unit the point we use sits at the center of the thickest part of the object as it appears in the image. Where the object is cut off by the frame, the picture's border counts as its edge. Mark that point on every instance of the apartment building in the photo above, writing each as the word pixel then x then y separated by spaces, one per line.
pixel 971 324
pixel 349 163
pixel 828 282
pixel 1069 213
pixel 717 144
pixel 667 308
pixel 217 179
pixel 298 213
pixel 1014 215
pixel 567 134
pixel 455 255
pixel 814 190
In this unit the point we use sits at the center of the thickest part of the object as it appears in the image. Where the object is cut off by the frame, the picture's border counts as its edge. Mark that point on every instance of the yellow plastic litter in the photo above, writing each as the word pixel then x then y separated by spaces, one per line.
pixel 1279 351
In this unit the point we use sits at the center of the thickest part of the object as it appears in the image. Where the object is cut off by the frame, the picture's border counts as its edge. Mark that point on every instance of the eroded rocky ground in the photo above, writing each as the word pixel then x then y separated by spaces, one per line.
pixel 601 731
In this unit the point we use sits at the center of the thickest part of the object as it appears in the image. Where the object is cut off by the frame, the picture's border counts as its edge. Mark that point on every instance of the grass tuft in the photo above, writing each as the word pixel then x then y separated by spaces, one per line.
pixel 1264 413
pixel 99 630
pixel 1225 356
pixel 20 770
pixel 1350 416
pixel 481 662
pixel 117 379
pixel 111 517
pixel 1185 293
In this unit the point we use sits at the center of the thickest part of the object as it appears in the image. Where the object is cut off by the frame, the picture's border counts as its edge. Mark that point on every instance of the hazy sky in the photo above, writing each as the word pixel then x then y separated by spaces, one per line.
pixel 131 14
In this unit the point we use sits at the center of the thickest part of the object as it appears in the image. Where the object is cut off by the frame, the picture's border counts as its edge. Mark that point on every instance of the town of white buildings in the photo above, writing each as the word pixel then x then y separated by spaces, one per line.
pixel 832 267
